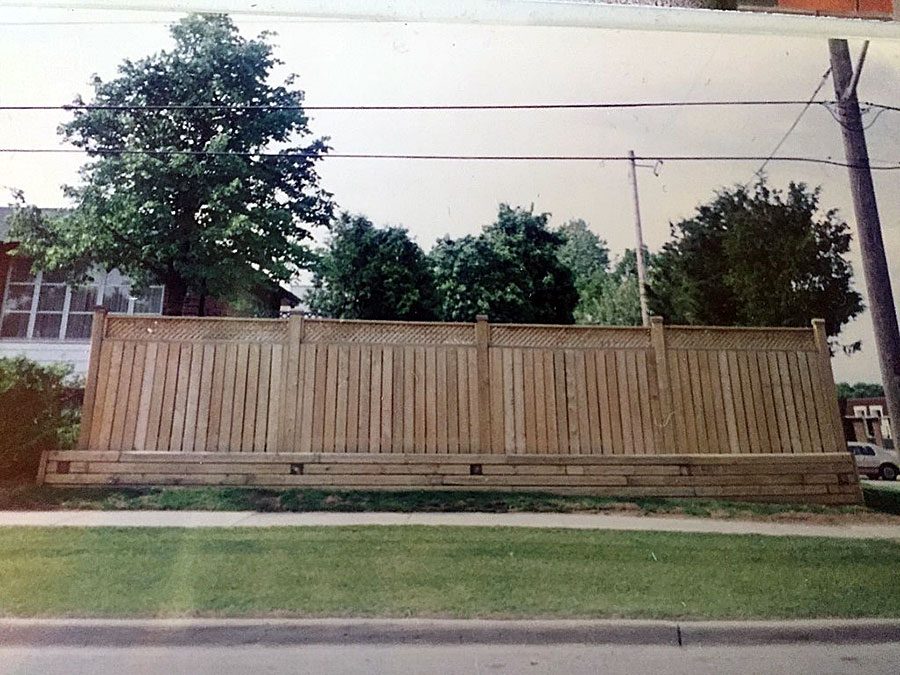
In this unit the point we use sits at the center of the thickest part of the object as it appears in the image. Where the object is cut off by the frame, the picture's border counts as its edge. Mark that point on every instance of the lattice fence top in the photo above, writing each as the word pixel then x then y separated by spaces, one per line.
pixel 569 337
pixel 396 333
pixel 741 339
pixel 179 329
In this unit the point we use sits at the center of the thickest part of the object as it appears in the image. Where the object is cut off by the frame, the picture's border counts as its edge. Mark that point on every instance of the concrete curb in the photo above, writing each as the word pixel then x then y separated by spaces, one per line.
pixel 231 632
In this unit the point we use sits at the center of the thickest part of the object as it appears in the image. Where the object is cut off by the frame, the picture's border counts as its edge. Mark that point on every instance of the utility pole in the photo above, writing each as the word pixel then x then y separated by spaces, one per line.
pixel 639 241
pixel 868 226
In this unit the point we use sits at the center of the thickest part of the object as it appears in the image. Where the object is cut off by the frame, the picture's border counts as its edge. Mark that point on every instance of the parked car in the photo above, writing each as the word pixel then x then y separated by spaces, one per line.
pixel 873 461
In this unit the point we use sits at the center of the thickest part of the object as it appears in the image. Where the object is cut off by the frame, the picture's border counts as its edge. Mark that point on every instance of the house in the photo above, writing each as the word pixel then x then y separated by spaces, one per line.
pixel 866 421
pixel 49 321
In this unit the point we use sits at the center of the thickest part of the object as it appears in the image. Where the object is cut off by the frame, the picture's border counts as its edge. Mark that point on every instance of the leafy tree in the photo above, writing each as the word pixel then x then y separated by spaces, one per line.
pixel 583 252
pixel 859 390
pixel 205 223
pixel 612 298
pixel 372 273
pixel 511 272
pixel 757 257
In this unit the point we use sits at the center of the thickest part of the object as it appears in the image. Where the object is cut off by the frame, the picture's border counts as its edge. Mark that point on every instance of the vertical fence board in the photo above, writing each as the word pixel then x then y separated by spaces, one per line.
pixel 122 397
pixel 314 357
pixel 765 378
pixel 387 394
pixel 193 400
pixel 248 434
pixel 143 409
pixel 262 397
pixel 462 386
pixel 398 402
pixel 420 409
pixel 320 368
pixel 581 397
pixel 343 386
pixel 452 401
pixel 708 402
pixel 479 402
pixel 518 377
pixel 300 402
pixel 273 424
pixel 551 413
pixel 440 384
pixel 809 397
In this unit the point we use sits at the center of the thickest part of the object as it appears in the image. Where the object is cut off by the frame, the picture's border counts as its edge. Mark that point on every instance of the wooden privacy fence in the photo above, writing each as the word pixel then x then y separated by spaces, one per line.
pixel 273 396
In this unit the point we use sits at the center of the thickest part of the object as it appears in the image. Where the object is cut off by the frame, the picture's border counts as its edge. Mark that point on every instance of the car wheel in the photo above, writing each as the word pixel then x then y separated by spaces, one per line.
pixel 888 472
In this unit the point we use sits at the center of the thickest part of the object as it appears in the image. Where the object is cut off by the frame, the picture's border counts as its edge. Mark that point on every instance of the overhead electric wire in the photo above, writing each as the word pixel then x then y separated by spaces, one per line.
pixel 809 102
pixel 439 107
pixel 445 157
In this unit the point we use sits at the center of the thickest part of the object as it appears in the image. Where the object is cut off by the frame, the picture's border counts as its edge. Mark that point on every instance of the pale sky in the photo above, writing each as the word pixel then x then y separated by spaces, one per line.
pixel 51 60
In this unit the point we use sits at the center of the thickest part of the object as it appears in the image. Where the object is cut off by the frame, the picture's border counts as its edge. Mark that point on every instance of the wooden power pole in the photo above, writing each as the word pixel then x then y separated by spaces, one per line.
pixel 638 241
pixel 868 227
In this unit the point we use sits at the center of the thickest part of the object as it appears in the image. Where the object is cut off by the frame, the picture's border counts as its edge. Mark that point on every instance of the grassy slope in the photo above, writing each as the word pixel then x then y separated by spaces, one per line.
pixel 460 572
pixel 256 499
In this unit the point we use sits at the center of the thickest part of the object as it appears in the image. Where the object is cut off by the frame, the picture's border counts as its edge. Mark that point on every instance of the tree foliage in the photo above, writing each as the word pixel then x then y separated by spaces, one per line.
pixel 206 223
pixel 511 272
pixel 583 252
pixel 372 273
pixel 611 298
pixel 757 257
pixel 859 390
pixel 39 410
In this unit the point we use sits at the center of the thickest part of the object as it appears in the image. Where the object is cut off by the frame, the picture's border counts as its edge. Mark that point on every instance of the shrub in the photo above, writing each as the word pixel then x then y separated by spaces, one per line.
pixel 39 410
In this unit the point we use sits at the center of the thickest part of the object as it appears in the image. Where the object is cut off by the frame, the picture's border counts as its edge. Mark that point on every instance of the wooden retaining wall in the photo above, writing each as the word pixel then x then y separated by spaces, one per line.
pixel 655 411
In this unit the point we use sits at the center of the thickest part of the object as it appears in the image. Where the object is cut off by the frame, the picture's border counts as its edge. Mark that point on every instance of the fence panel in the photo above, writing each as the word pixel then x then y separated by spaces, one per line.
pixel 257 386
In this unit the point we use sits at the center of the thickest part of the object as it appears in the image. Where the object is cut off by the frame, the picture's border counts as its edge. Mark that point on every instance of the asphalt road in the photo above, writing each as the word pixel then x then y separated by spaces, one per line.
pixel 570 659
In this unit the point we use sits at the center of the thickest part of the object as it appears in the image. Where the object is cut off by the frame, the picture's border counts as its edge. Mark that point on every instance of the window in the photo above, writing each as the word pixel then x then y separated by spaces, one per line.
pixel 859 411
pixel 44 307
pixel 876 411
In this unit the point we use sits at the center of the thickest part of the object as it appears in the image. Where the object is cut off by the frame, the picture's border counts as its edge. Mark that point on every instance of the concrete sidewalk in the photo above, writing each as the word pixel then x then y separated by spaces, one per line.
pixel 579 521
pixel 349 631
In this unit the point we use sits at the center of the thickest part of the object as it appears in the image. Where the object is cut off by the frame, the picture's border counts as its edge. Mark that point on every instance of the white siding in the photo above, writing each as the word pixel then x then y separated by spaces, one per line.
pixel 50 351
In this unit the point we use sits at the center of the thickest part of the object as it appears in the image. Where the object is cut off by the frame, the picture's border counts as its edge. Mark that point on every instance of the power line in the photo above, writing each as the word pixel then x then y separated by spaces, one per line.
pixel 500 106
pixel 449 157
pixel 793 126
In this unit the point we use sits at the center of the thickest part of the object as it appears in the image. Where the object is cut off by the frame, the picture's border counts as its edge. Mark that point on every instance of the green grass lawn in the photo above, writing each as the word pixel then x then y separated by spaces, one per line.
pixel 441 571
pixel 303 499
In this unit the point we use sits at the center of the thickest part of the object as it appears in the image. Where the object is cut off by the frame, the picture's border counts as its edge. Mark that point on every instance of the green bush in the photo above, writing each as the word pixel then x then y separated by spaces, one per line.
pixel 39 410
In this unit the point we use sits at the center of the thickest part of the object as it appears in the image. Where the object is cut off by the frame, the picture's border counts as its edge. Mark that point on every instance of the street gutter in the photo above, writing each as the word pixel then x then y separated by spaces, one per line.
pixel 233 632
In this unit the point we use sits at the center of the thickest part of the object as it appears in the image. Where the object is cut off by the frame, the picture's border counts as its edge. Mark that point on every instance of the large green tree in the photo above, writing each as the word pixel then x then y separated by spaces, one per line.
pixel 757 257
pixel 511 272
pixel 181 195
pixel 583 252
pixel 367 272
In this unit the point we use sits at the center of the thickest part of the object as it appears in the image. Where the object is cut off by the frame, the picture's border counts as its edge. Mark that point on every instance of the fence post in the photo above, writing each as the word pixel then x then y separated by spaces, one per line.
pixel 666 421
pixel 482 344
pixel 291 385
pixel 827 382
pixel 98 329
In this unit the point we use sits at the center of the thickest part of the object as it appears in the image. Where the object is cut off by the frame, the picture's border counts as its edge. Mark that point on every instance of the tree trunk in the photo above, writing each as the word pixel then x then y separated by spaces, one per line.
pixel 175 293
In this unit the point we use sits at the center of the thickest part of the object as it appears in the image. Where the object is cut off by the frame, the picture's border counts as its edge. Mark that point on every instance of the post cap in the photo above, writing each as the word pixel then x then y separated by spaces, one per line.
pixel 481 317
pixel 656 319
